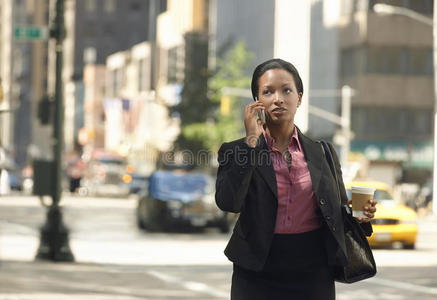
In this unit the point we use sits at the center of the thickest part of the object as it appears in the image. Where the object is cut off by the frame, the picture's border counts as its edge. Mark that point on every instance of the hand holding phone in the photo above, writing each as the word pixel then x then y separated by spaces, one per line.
pixel 260 115
pixel 254 112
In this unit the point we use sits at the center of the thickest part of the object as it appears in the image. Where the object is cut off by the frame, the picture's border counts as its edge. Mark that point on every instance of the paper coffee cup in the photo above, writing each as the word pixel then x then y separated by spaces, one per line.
pixel 361 195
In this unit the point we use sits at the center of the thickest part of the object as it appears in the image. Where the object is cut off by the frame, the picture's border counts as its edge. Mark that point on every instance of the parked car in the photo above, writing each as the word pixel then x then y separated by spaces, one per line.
pixel 394 221
pixel 138 183
pixel 15 181
pixel 176 198
pixel 105 175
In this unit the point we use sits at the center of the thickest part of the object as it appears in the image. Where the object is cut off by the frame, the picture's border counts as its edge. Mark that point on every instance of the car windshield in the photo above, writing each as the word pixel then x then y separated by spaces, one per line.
pixel 380 195
pixel 181 183
pixel 111 161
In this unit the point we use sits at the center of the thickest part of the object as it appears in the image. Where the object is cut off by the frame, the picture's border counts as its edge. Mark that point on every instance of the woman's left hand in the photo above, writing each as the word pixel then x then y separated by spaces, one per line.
pixel 369 211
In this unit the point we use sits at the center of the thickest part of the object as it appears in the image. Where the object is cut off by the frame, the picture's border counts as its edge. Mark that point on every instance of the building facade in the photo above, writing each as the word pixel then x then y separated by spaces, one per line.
pixel 387 59
pixel 183 56
pixel 137 124
pixel 268 32
pixel 23 75
pixel 96 29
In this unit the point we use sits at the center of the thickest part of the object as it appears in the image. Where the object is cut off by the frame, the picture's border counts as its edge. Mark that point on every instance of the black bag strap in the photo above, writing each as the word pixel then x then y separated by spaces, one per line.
pixel 330 159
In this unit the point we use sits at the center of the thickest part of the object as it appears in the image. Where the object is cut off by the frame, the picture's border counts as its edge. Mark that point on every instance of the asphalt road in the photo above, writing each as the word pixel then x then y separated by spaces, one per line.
pixel 115 260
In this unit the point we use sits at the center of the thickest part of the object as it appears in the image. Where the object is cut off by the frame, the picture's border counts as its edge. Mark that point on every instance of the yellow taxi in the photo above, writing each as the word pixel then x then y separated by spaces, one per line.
pixel 394 222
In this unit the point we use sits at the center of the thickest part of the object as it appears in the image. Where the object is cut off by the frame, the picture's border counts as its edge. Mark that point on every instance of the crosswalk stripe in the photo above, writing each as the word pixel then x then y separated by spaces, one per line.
pixel 191 285
pixel 404 285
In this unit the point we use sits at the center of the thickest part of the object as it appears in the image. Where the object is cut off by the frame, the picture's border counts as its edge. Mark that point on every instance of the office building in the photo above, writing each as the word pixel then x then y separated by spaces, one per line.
pixel 96 29
pixel 23 73
pixel 387 59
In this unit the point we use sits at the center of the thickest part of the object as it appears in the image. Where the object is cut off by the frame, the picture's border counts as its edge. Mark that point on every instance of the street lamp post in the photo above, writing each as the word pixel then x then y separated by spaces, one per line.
pixel 434 186
pixel 344 120
pixel 54 244
pixel 386 9
pixel 396 10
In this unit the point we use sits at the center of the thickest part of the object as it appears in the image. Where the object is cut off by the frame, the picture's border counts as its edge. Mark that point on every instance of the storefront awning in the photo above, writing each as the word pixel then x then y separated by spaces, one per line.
pixel 411 154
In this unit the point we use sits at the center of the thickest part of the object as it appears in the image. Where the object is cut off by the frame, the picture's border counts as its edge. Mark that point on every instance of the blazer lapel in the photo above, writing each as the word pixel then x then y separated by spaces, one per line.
pixel 314 156
pixel 265 166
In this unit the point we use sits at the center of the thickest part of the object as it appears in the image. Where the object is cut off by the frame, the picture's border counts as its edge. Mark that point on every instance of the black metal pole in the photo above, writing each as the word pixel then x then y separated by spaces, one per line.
pixel 54 242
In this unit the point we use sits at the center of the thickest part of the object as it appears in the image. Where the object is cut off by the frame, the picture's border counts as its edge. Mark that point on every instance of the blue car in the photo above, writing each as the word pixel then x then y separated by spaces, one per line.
pixel 178 199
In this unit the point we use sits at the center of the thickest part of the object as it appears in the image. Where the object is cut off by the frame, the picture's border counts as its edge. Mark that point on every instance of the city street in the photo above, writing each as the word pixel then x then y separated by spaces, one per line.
pixel 116 260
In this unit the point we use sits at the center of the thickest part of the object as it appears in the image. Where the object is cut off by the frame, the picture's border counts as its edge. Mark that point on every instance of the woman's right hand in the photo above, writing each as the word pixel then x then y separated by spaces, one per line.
pixel 252 125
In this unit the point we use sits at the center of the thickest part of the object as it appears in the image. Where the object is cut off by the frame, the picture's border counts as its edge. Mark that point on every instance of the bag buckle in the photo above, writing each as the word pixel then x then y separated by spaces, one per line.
pixel 348 210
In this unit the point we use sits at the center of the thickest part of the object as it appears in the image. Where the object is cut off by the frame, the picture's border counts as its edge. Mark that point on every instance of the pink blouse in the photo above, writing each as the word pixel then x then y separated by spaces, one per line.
pixel 297 207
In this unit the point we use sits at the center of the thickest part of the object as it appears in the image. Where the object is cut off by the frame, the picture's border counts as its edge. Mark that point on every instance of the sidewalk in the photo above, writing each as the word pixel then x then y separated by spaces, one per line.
pixel 114 260
pixel 130 265
pixel 427 222
pixel 110 237
pixel 40 280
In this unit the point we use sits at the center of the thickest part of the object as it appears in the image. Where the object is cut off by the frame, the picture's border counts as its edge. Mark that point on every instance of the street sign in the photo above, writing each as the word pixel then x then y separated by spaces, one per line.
pixel 30 32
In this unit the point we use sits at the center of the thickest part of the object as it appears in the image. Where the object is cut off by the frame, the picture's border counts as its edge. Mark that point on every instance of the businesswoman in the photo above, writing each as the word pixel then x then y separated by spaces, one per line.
pixel 288 239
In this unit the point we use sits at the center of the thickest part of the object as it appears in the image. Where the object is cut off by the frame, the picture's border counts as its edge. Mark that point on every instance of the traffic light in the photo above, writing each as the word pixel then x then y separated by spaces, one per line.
pixel 45 110
pixel 225 105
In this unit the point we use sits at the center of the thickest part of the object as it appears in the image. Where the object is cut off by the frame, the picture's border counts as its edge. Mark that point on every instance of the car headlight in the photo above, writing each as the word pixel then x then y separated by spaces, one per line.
pixel 409 222
pixel 174 204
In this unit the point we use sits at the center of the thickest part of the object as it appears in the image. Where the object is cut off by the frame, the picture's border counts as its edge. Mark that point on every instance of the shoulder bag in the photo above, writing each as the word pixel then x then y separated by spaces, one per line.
pixel 360 261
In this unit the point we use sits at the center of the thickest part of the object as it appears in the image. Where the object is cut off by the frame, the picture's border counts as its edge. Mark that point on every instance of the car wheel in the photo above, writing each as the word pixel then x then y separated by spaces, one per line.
pixel 141 219
pixel 224 226
pixel 409 246
pixel 154 227
pixel 140 223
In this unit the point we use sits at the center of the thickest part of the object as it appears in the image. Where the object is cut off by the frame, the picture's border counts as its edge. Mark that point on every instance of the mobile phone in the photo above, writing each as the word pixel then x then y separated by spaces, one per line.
pixel 260 115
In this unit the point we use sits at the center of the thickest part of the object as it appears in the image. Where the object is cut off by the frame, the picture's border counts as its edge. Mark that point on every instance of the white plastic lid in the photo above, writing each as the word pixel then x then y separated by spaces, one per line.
pixel 363 190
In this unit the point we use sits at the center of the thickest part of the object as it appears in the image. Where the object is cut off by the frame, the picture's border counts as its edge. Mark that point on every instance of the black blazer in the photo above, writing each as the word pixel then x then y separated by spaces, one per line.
pixel 246 184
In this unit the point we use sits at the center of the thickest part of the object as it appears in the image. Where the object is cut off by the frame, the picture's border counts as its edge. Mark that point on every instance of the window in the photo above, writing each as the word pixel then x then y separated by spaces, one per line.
pixel 348 67
pixel 141 75
pixel 420 62
pixel 109 5
pixel 352 61
pixel 422 122
pixel 398 123
pixel 135 6
pixel 388 60
pixel 420 6
pixel 90 30
pixel 162 6
pixel 109 30
pixel 90 5
pixel 172 64
pixel 117 81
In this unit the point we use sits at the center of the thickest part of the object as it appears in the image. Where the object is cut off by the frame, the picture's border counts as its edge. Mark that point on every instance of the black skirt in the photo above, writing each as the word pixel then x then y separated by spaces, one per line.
pixel 296 268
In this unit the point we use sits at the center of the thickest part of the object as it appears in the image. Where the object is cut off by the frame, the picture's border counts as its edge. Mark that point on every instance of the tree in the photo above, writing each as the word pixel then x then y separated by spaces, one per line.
pixel 195 106
pixel 218 128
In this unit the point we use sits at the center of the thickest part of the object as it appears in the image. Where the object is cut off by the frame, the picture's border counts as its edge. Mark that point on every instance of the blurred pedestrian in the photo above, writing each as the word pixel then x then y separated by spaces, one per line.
pixel 75 169
pixel 283 246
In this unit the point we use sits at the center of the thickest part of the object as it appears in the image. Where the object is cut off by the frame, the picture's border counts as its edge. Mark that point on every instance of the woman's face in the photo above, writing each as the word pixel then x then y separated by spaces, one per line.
pixel 278 92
